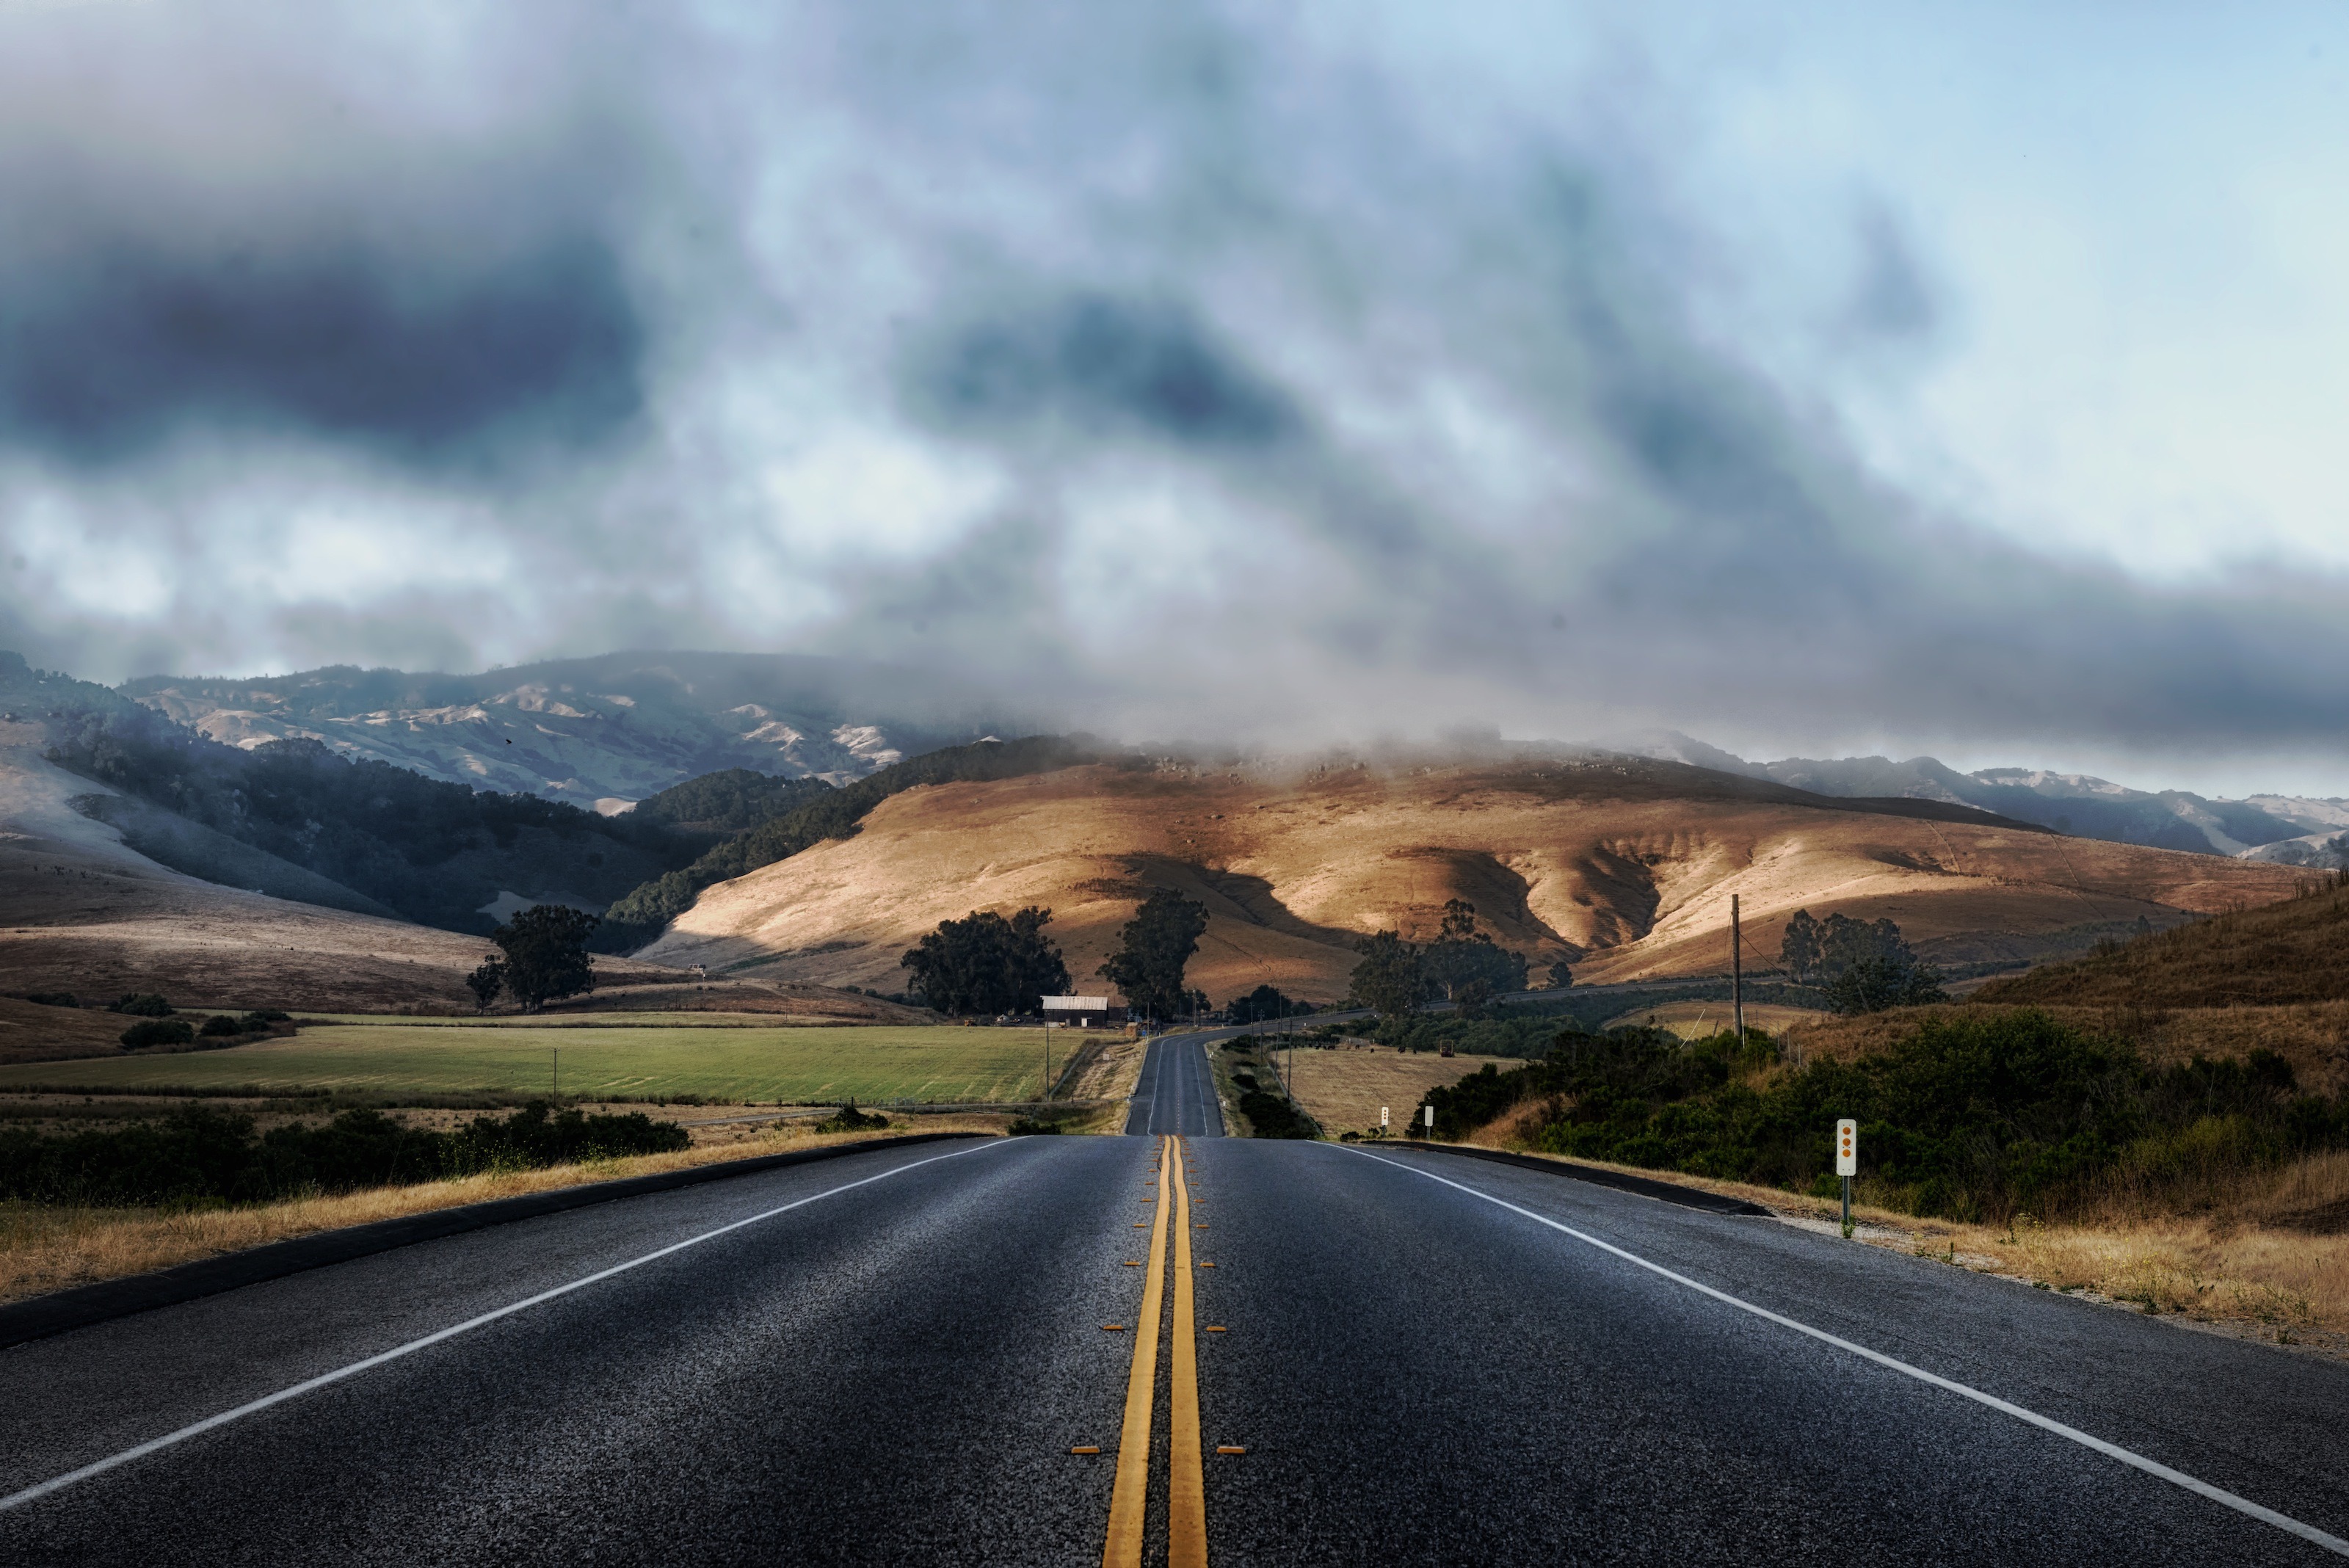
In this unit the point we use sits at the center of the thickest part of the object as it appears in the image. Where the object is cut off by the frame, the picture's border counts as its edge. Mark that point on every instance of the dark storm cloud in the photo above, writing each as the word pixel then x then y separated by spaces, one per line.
pixel 1096 365
pixel 1408 422
pixel 422 357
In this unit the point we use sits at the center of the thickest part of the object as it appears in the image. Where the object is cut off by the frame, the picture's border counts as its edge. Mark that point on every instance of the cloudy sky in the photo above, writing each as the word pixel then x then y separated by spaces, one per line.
pixel 1814 379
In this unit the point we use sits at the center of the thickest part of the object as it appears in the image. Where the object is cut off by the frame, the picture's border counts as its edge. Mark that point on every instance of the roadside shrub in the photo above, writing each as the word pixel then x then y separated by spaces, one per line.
pixel 200 1155
pixel 219 1024
pixel 149 1032
pixel 1970 1117
pixel 1022 1127
pixel 848 1118
pixel 1270 1114
pixel 143 1004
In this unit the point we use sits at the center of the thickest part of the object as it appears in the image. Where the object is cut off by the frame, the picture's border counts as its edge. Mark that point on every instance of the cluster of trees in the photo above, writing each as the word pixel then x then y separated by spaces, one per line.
pixel 987 963
pixel 542 957
pixel 1462 965
pixel 219 1029
pixel 1862 966
pixel 984 964
pixel 1265 1004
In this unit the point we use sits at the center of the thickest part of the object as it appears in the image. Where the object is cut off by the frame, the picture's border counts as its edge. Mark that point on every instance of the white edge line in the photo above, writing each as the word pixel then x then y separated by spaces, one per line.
pixel 113 1461
pixel 2331 1543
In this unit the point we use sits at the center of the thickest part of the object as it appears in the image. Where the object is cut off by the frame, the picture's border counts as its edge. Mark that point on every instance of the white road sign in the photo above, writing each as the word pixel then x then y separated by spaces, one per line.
pixel 1382 1115
pixel 1847 1147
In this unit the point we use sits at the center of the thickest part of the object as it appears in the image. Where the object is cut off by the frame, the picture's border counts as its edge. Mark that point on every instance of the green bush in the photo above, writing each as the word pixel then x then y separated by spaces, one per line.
pixel 143 1004
pixel 848 1118
pixel 53 998
pixel 149 1032
pixel 219 1024
pixel 1272 1116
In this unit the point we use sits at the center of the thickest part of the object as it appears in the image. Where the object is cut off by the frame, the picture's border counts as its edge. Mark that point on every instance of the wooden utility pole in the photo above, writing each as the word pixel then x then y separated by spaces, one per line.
pixel 1736 974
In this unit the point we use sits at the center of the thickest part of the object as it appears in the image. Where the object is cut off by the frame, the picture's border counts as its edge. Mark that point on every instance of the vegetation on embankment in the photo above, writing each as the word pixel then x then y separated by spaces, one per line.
pixel 2287 953
pixel 49 1247
pixel 199 1155
pixel 1528 1028
pixel 1971 1115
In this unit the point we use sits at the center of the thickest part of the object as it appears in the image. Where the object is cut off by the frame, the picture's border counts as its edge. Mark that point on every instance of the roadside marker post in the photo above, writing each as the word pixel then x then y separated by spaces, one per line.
pixel 1383 1118
pixel 1847 1165
pixel 1431 1119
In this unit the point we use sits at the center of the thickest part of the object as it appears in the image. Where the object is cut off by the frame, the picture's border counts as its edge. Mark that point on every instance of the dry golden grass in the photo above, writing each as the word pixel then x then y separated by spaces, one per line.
pixel 50 1249
pixel 1344 1090
pixel 1112 1071
pixel 2313 1036
pixel 2293 951
pixel 2242 1267
pixel 1625 871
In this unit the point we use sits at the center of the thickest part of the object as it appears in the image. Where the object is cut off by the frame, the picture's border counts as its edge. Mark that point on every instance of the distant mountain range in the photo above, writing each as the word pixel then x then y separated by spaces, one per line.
pixel 600 731
pixel 617 728
pixel 2287 830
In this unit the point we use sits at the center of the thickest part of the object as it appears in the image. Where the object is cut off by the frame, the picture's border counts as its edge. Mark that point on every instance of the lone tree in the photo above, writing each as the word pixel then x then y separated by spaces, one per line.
pixel 1391 976
pixel 545 949
pixel 984 964
pixel 1153 950
pixel 1467 964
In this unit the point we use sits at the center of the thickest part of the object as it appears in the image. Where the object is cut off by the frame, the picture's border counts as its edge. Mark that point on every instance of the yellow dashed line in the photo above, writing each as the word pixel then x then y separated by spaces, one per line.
pixel 1186 1486
pixel 1128 1496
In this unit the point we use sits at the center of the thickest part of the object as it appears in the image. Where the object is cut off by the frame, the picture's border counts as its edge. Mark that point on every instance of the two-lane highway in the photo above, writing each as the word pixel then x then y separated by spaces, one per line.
pixel 1177 1093
pixel 900 1356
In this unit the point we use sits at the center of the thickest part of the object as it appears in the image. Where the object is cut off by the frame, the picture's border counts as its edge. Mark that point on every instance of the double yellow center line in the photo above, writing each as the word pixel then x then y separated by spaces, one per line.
pixel 1186 1513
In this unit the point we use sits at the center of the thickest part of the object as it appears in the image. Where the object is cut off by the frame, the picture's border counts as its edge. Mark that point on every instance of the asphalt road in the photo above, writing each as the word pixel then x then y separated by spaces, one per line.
pixel 896 1371
pixel 1175 1093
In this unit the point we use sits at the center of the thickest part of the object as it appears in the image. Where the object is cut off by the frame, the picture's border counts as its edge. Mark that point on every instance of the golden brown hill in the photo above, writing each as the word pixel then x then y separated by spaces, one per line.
pixel 2287 953
pixel 1623 867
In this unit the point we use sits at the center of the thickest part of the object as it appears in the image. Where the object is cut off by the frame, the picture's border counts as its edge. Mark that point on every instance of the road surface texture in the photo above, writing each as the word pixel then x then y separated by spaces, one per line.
pixel 1177 1093
pixel 898 1370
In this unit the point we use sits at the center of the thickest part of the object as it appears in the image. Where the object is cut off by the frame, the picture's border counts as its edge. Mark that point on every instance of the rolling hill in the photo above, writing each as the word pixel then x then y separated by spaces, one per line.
pixel 83 911
pixel 2291 953
pixel 1622 866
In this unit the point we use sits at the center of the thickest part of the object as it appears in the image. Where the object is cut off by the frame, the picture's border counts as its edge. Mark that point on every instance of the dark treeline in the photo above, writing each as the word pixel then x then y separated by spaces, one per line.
pixel 201 1156
pixel 1968 1117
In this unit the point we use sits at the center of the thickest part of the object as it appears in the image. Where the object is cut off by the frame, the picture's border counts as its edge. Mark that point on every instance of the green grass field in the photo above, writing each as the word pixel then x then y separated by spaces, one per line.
pixel 796 1065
